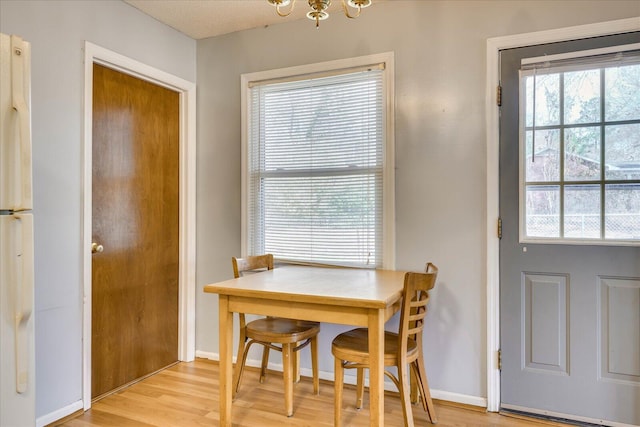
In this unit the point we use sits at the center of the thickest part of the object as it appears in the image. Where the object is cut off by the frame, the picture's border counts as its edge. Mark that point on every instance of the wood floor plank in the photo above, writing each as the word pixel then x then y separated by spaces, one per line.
pixel 186 395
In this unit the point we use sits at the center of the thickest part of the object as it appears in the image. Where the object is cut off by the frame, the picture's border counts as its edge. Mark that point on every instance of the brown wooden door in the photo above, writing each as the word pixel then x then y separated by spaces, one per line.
pixel 135 219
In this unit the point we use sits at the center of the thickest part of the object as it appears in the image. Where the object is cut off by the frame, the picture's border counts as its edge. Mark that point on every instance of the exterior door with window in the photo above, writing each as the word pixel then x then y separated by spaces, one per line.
pixel 570 249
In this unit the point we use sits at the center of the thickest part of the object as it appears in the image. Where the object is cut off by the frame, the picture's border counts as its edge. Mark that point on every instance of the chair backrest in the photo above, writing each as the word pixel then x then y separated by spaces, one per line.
pixel 414 304
pixel 252 263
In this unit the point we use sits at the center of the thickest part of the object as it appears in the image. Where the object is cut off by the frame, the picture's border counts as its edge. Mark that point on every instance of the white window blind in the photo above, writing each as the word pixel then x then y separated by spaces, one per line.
pixel 315 169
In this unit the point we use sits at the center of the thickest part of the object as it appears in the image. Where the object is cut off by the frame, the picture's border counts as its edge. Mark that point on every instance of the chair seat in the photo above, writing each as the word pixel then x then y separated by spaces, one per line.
pixel 353 346
pixel 281 331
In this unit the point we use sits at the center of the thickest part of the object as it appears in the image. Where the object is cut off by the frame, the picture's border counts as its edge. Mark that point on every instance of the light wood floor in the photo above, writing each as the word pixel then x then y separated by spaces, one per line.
pixel 186 394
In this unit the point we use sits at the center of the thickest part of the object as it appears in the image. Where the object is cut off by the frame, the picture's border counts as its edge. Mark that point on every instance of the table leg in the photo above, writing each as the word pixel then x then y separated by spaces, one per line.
pixel 376 369
pixel 226 362
pixel 287 368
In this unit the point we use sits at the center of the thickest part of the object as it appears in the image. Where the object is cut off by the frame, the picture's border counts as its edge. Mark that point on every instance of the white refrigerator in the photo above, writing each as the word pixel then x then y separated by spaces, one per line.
pixel 17 344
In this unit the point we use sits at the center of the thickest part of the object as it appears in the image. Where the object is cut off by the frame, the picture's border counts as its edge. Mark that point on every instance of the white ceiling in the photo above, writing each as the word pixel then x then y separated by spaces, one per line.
pixel 200 19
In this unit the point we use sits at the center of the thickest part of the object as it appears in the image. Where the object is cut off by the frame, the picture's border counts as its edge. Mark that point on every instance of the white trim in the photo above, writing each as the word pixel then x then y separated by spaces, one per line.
pixel 389 180
pixel 465 399
pixel 187 252
pixel 567 416
pixel 494 45
pixel 58 414
pixel 386 58
pixel 209 355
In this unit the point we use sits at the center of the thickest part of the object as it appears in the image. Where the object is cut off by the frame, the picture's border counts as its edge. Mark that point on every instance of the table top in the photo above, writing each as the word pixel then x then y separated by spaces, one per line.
pixel 338 286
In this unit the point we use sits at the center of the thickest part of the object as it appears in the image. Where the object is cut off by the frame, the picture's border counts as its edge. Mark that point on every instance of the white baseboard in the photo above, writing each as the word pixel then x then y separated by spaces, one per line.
pixel 351 379
pixel 459 398
pixel 208 355
pixel 59 414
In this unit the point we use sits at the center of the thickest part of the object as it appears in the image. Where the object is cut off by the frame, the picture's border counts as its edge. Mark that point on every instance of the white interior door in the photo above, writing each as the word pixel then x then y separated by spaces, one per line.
pixel 570 313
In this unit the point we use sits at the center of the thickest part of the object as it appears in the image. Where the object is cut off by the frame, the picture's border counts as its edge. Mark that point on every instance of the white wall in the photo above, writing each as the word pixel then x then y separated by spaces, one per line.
pixel 440 49
pixel 57 31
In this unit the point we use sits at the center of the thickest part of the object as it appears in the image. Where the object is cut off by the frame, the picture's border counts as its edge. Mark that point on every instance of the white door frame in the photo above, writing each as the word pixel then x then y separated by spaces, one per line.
pixel 187 205
pixel 494 45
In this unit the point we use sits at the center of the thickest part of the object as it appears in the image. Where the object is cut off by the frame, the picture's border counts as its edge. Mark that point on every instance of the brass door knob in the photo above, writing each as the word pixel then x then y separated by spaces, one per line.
pixel 96 248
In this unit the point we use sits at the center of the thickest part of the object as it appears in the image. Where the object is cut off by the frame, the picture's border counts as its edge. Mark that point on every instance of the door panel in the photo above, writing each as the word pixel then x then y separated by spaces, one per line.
pixel 135 219
pixel 570 335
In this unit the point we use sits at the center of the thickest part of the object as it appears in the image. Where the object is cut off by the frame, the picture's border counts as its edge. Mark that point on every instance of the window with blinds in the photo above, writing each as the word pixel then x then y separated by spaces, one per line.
pixel 315 167
pixel 580 147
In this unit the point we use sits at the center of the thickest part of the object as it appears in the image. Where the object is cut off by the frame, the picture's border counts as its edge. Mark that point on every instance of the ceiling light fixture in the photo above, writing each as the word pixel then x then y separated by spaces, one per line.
pixel 318 10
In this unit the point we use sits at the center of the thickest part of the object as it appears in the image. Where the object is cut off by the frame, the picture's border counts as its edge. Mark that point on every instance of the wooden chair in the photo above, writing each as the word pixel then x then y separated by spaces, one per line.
pixel 351 349
pixel 291 335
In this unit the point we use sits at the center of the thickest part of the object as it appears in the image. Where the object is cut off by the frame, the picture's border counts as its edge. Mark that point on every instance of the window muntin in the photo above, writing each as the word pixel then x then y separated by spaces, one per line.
pixel 580 151
pixel 317 161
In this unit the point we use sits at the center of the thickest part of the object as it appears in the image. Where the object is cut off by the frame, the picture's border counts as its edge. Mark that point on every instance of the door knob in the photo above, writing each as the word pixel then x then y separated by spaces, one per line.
pixel 96 248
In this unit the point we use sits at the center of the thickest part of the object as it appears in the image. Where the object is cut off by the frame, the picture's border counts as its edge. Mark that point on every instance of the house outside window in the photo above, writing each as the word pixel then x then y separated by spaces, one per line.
pixel 317 173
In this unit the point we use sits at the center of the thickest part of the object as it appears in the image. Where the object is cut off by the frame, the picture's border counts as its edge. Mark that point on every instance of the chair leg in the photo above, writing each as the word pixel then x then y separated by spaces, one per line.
pixel 418 385
pixel 239 363
pixel 240 366
pixel 314 365
pixel 414 386
pixel 288 377
pixel 337 392
pixel 265 363
pixel 423 383
pixel 296 365
pixel 359 387
pixel 405 394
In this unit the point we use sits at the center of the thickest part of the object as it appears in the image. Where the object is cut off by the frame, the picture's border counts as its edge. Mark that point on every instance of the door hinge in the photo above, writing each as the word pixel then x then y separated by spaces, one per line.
pixel 500 360
pixel 499 228
pixel 499 96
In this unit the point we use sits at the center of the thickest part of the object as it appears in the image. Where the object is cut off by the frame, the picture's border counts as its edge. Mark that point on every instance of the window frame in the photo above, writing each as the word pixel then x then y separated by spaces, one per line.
pixel 329 67
pixel 561 182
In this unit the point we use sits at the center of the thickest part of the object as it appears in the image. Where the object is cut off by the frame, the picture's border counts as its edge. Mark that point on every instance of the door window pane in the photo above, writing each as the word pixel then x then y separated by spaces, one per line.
pixel 546 88
pixel 622 93
pixel 544 165
pixel 582 211
pixel 622 152
pixel 582 154
pixel 543 211
pixel 582 97
pixel 622 211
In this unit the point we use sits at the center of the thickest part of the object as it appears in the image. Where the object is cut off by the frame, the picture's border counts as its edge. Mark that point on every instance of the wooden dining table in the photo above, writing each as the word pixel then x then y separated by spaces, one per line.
pixel 358 297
